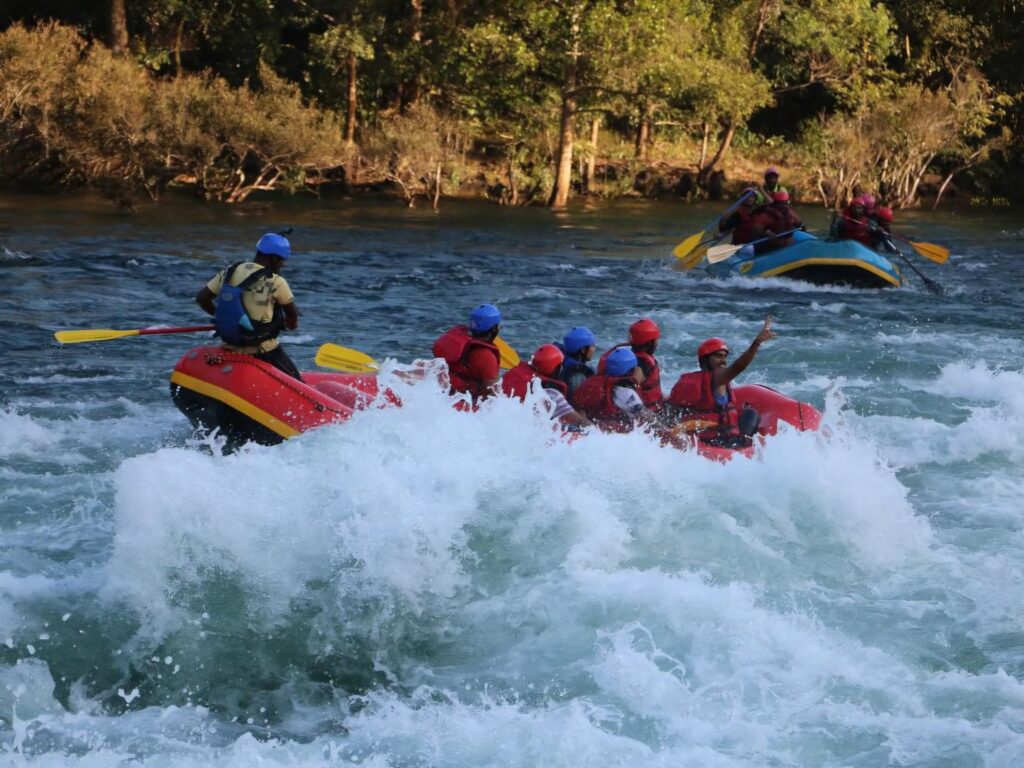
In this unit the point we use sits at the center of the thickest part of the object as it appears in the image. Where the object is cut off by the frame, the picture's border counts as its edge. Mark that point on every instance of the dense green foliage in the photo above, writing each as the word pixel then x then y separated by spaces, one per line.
pixel 526 99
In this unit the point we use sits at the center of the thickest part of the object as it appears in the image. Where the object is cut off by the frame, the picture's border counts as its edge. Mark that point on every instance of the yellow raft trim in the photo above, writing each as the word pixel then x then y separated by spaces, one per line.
pixel 832 262
pixel 234 401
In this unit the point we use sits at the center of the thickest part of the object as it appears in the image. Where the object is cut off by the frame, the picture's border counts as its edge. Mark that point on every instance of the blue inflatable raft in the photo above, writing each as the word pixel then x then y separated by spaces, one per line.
pixel 822 262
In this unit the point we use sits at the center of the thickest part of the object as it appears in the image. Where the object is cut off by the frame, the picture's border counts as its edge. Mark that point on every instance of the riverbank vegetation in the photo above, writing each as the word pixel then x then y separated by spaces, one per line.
pixel 524 102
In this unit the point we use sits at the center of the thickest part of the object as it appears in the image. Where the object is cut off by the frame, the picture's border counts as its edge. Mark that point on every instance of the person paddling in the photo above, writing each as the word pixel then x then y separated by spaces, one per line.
pixel 741 222
pixel 251 304
pixel 610 399
pixel 704 400
pixel 544 367
pixel 472 357
pixel 774 224
pixel 643 340
pixel 770 187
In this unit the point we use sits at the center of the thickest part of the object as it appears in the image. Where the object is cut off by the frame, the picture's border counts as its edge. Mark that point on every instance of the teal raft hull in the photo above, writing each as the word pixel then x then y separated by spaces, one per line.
pixel 822 262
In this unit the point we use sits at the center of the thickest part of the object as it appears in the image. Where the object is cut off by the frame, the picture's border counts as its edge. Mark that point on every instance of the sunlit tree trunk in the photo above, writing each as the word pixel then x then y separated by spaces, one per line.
pixel 411 87
pixel 723 149
pixel 566 135
pixel 705 134
pixel 118 26
pixel 350 112
pixel 590 166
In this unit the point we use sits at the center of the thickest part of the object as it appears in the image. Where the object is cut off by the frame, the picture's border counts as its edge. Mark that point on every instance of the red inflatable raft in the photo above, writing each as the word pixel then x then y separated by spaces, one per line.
pixel 249 400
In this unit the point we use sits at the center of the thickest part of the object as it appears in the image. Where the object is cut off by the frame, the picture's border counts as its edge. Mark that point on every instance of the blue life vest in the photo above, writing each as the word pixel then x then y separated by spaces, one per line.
pixel 232 322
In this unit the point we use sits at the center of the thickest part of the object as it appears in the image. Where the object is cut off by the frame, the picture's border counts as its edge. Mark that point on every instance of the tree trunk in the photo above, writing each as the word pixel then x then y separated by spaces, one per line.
pixel 705 134
pixel 118 26
pixel 723 148
pixel 350 112
pixel 411 87
pixel 640 149
pixel 563 167
pixel 178 38
pixel 437 187
pixel 590 169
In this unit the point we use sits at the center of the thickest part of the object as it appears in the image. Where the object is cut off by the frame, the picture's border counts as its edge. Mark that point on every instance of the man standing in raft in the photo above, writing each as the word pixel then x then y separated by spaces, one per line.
pixel 473 359
pixel 543 367
pixel 643 340
pixel 704 398
pixel 251 304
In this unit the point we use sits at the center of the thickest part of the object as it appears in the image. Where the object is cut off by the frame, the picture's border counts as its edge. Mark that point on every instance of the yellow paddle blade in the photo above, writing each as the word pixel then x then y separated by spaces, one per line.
pixel 509 357
pixel 92 334
pixel 345 359
pixel 932 252
pixel 682 250
pixel 697 256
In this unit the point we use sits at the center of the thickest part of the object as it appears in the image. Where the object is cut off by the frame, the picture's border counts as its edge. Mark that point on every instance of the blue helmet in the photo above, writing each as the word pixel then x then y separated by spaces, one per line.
pixel 620 362
pixel 578 338
pixel 273 244
pixel 484 318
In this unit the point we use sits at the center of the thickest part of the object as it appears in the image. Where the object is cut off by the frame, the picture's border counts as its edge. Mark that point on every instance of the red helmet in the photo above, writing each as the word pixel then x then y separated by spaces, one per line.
pixel 546 359
pixel 858 201
pixel 884 213
pixel 780 197
pixel 643 331
pixel 711 346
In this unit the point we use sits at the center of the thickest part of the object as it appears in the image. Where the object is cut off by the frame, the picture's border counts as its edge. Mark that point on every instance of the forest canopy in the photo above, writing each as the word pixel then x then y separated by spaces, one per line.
pixel 523 101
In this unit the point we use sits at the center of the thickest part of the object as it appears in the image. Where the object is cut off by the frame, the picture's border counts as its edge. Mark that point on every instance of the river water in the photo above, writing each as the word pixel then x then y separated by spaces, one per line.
pixel 421 587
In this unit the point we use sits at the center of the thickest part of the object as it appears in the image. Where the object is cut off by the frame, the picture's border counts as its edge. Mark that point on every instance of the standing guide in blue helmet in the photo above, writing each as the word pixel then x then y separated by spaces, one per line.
pixel 251 304
pixel 578 346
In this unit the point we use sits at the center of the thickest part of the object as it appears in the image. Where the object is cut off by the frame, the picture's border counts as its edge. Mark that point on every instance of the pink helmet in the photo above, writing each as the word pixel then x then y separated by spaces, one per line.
pixel 869 200
pixel 771 171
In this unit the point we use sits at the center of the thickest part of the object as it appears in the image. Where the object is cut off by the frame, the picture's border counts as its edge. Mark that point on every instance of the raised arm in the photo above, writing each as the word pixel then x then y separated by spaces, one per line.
pixel 724 376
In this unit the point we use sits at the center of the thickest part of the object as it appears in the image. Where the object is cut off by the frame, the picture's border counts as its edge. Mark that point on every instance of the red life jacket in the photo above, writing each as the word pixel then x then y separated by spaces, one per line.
pixel 744 231
pixel 703 416
pixel 454 346
pixel 761 220
pixel 516 381
pixel 594 399
pixel 851 228
pixel 650 390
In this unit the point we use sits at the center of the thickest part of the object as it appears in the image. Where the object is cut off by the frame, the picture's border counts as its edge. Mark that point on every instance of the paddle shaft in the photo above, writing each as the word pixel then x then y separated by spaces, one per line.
pixel 930 284
pixel 108 334
pixel 190 329
pixel 728 251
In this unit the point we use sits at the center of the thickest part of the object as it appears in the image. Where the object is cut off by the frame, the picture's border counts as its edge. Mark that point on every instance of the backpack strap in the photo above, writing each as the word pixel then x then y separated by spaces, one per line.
pixel 265 272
